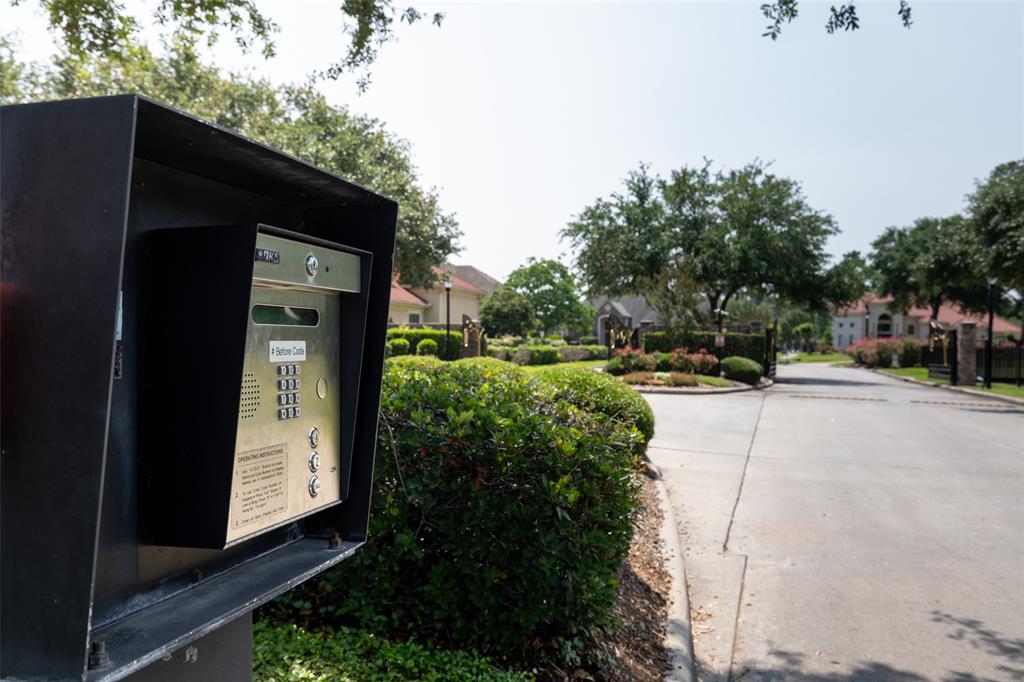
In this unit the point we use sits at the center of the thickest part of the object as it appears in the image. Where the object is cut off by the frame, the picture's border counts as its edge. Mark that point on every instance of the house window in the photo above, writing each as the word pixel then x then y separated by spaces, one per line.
pixel 414 318
pixel 884 325
pixel 910 329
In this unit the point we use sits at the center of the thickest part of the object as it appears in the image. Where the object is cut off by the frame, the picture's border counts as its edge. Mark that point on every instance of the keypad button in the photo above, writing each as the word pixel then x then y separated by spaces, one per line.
pixel 282 398
pixel 298 383
pixel 298 411
pixel 290 384
pixel 314 437
pixel 314 486
pixel 282 370
pixel 291 398
pixel 314 462
pixel 291 412
pixel 282 413
pixel 282 384
pixel 298 397
pixel 291 369
pixel 298 369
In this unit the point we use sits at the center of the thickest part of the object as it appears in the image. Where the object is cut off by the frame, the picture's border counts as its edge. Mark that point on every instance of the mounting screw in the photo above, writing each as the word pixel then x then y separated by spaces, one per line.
pixel 335 541
pixel 312 264
pixel 98 656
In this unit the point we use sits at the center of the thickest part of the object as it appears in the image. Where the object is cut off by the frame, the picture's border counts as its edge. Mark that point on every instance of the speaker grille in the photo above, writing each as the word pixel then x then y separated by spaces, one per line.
pixel 250 400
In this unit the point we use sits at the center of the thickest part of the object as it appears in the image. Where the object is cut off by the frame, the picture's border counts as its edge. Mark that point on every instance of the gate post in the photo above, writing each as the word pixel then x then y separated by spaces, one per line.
pixel 966 354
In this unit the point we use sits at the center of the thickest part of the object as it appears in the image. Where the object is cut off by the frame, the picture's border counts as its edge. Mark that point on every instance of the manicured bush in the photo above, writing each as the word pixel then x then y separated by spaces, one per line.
pixel 398 346
pixel 500 352
pixel 426 347
pixel 884 351
pixel 604 395
pixel 750 346
pixel 626 360
pixel 501 514
pixel 741 369
pixel 420 361
pixel 288 652
pixel 909 352
pixel 589 341
pixel 701 362
pixel 535 355
pixel 873 352
pixel 414 336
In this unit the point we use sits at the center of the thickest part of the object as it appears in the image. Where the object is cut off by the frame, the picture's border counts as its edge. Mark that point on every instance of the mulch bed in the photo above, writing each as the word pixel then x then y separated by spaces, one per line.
pixel 641 603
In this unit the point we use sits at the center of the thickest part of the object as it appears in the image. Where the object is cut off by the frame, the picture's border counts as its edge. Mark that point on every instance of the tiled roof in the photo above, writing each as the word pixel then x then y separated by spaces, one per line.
pixel 457 282
pixel 949 315
pixel 400 294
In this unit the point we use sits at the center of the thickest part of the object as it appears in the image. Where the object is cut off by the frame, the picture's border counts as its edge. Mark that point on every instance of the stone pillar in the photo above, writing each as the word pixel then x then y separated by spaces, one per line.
pixel 966 355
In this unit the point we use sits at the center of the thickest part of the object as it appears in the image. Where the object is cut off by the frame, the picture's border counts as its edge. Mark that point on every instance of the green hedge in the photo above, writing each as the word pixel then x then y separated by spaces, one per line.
pixel 750 346
pixel 588 341
pixel 535 355
pixel 426 347
pixel 414 336
pixel 283 653
pixel 603 394
pixel 742 369
pixel 578 353
pixel 501 515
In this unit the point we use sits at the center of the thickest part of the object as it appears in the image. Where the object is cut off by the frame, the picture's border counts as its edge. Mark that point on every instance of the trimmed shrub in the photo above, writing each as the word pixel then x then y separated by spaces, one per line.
pixel 414 336
pixel 750 346
pixel 626 360
pixel 500 352
pixel 420 361
pixel 426 347
pixel 873 352
pixel 741 369
pixel 535 355
pixel 501 514
pixel 589 341
pixel 909 352
pixel 701 362
pixel 398 346
pixel 604 395
pixel 884 351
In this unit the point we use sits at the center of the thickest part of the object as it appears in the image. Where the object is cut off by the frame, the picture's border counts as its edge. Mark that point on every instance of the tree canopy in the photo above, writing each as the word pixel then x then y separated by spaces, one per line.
pixel 928 263
pixel 106 28
pixel 996 210
pixel 296 119
pixel 552 291
pixel 741 230
pixel 507 312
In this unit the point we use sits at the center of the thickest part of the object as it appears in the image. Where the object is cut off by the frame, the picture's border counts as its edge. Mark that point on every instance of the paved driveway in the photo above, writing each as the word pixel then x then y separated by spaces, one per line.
pixel 844 526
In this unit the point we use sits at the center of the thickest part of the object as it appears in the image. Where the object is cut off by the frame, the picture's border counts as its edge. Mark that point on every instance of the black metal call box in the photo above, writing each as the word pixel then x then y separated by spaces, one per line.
pixel 192 329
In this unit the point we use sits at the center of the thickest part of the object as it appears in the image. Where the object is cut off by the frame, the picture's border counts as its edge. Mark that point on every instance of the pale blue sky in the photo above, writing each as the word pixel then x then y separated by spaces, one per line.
pixel 523 113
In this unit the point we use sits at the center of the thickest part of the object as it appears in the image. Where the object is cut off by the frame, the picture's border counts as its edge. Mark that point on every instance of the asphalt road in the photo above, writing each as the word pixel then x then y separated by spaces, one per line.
pixel 845 526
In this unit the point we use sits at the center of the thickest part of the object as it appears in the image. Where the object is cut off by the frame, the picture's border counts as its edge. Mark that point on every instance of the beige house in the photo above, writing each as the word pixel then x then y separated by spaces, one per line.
pixel 414 306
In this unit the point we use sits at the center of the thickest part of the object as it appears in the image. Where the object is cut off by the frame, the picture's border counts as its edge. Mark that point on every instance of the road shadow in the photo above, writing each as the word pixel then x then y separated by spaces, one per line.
pixel 790 666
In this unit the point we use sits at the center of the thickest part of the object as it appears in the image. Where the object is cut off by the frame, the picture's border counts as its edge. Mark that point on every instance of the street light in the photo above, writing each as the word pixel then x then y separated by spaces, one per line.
pixel 867 322
pixel 447 313
pixel 988 338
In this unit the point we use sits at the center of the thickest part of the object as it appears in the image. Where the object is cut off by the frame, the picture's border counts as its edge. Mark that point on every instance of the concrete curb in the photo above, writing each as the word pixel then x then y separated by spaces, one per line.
pixel 678 633
pixel 954 389
pixel 765 383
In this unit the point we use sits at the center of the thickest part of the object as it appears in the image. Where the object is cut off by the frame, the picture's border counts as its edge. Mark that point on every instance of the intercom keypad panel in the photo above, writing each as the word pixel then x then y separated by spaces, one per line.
pixel 288 446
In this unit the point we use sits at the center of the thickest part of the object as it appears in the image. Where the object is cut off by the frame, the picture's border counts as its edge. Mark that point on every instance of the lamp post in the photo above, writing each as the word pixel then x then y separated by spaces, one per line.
pixel 447 312
pixel 988 337
pixel 867 322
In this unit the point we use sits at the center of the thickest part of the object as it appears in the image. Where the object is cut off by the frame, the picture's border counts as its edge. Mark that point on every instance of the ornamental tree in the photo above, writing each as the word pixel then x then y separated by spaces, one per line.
pixel 742 230
pixel 552 291
pixel 507 312
pixel 996 211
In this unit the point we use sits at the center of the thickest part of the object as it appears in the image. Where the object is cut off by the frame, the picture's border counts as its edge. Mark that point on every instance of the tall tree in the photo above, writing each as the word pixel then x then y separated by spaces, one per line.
pixel 551 290
pixel 737 230
pixel 996 210
pixel 507 312
pixel 106 28
pixel 929 263
pixel 296 119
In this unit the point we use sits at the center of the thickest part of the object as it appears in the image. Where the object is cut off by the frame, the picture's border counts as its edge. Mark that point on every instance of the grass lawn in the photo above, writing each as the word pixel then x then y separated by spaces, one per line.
pixel 921 373
pixel 586 364
pixel 717 382
pixel 820 357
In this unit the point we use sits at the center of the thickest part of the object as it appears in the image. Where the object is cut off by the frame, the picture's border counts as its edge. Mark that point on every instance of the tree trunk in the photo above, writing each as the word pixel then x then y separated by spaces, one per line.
pixel 721 311
pixel 935 309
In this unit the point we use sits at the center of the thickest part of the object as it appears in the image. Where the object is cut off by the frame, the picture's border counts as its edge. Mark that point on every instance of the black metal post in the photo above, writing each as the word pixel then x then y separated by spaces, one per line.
pixel 448 315
pixel 988 338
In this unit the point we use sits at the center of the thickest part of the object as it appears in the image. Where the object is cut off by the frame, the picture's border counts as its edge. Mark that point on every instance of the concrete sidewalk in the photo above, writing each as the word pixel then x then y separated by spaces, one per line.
pixel 843 526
